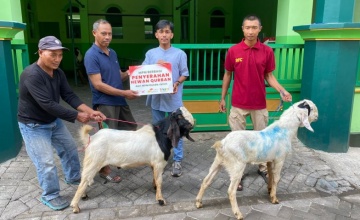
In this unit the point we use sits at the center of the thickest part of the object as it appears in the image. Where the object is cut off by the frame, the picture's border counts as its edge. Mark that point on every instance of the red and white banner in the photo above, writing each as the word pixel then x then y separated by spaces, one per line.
pixel 151 79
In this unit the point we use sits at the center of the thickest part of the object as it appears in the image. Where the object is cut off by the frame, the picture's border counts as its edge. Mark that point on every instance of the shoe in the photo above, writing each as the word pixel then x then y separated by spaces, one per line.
pixel 110 178
pixel 263 174
pixel 58 203
pixel 76 182
pixel 176 171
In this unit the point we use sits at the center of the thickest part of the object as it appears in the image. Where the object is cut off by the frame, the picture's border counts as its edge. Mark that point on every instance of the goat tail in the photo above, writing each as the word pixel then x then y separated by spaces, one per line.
pixel 217 146
pixel 84 134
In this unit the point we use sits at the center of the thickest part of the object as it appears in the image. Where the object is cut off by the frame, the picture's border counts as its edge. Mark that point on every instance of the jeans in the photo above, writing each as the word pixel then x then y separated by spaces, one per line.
pixel 178 151
pixel 40 139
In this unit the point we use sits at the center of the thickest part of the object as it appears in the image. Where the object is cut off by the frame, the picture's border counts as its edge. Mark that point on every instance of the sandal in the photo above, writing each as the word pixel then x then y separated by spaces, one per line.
pixel 263 174
pixel 109 178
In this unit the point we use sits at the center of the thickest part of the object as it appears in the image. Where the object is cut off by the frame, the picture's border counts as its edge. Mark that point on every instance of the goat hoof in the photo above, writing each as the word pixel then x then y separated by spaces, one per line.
pixel 275 201
pixel 85 197
pixel 161 202
pixel 199 205
pixel 238 216
pixel 76 209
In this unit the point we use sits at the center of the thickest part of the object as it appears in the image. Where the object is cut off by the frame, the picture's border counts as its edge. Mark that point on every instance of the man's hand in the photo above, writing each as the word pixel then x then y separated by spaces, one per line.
pixel 124 75
pixel 83 117
pixel 130 94
pixel 97 116
pixel 175 87
pixel 285 96
pixel 222 105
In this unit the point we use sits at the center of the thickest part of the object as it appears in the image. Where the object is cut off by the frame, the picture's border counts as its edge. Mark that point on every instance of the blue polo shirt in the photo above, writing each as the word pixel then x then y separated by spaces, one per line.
pixel 96 61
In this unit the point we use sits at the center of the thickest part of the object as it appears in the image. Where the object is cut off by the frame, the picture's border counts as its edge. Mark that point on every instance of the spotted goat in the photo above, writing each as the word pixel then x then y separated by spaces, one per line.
pixel 270 145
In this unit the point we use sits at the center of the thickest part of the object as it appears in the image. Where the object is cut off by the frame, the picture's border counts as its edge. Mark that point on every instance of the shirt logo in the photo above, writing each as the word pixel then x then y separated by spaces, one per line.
pixel 237 60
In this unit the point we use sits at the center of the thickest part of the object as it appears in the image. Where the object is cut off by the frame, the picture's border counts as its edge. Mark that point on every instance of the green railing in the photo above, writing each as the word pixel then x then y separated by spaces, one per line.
pixel 20 57
pixel 206 62
pixel 202 89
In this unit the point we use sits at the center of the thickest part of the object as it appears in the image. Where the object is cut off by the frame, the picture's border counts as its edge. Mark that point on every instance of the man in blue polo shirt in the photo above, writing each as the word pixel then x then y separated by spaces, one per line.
pixel 105 75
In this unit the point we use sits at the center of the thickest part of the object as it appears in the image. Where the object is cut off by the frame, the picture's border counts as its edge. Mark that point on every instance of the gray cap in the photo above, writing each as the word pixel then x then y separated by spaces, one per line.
pixel 50 43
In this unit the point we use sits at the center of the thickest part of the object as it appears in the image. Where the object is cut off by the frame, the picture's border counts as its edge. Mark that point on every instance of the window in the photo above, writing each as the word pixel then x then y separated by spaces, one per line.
pixel 150 20
pixel 113 15
pixel 73 27
pixel 217 19
pixel 185 25
pixel 31 22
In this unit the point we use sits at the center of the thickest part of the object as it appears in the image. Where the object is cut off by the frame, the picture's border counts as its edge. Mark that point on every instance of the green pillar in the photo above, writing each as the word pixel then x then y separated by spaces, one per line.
pixel 11 145
pixel 331 54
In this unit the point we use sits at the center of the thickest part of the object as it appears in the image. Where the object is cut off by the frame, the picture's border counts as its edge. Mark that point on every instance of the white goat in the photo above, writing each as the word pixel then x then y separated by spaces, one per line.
pixel 270 145
pixel 151 145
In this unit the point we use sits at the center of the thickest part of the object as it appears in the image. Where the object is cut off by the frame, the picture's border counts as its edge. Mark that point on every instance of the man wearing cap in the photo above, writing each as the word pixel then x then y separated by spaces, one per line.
pixel 40 118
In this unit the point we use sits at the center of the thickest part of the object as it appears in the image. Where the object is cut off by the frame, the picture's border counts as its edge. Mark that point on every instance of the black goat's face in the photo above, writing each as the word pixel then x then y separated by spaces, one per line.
pixel 181 123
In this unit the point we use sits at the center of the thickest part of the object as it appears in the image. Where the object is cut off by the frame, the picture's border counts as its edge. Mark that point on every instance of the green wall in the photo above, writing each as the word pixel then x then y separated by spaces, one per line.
pixel 292 13
pixel 9 11
pixel 355 122
pixel 357 11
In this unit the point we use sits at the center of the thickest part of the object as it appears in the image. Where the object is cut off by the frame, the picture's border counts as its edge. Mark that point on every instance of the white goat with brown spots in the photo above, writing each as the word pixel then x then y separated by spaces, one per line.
pixel 270 145
pixel 151 145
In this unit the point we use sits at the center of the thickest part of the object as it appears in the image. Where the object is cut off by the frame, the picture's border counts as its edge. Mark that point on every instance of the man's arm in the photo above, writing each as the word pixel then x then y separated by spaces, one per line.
pixel 285 95
pixel 124 75
pixel 107 89
pixel 178 82
pixel 224 89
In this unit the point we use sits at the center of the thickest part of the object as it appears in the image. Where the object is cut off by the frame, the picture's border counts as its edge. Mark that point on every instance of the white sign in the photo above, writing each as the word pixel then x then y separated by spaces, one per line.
pixel 151 79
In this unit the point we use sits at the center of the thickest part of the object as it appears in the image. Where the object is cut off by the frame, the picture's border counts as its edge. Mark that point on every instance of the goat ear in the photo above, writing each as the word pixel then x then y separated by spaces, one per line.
pixel 173 132
pixel 304 118
pixel 189 138
pixel 305 105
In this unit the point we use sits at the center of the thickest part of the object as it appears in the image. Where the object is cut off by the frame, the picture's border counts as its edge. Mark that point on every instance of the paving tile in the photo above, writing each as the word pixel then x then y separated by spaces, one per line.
pixel 322 211
pixel 102 214
pixel 13 209
pixel 79 216
pixel 155 209
pixel 285 212
pixel 28 216
pixel 352 199
pixel 174 216
pixel 203 214
pixel 305 215
pixel 271 210
pixel 132 211
pixel 331 201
